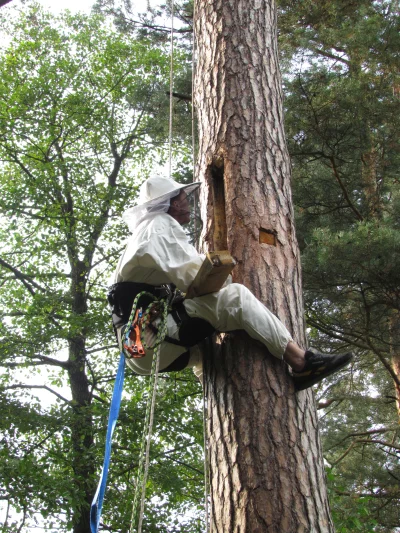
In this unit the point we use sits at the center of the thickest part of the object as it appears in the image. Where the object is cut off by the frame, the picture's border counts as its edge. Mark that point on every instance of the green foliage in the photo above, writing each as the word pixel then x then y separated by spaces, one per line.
pixel 83 121
pixel 341 78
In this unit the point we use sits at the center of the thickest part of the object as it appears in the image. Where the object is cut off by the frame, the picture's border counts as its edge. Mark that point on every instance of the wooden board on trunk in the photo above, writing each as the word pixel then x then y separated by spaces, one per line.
pixel 212 274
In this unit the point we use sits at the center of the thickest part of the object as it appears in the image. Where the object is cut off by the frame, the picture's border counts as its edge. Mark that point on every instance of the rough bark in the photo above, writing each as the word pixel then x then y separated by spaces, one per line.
pixel 266 467
pixel 395 353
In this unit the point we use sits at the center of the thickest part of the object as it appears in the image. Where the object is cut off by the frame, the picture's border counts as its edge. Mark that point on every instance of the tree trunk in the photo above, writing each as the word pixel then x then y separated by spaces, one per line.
pixel 82 420
pixel 266 467
pixel 395 352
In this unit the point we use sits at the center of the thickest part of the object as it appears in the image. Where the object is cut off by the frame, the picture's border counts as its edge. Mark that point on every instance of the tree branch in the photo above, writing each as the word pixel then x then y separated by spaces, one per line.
pixel 382 442
pixel 45 387
pixel 22 277
pixel 344 190
pixel 180 96
pixel 344 454
pixel 113 346
pixel 382 494
pixel 324 53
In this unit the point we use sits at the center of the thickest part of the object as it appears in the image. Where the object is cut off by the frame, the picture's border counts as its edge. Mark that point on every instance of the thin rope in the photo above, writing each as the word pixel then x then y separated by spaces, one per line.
pixel 147 456
pixel 193 79
pixel 197 243
pixel 144 458
pixel 171 87
pixel 196 193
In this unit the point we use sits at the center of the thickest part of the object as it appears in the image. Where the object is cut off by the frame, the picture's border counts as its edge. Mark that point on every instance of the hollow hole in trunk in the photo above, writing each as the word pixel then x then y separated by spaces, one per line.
pixel 220 237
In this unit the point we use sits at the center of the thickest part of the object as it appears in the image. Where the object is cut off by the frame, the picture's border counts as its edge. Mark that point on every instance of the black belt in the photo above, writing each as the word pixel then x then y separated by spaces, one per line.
pixel 192 330
pixel 122 295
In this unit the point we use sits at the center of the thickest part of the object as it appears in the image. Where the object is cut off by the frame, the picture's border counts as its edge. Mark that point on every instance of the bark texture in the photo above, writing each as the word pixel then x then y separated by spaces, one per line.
pixel 266 467
pixel 395 349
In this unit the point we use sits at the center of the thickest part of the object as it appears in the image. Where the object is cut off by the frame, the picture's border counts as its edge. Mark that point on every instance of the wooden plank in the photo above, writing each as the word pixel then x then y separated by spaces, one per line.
pixel 212 274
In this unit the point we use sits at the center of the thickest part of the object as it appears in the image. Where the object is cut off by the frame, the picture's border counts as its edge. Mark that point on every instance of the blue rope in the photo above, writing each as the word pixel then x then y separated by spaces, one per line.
pixel 97 504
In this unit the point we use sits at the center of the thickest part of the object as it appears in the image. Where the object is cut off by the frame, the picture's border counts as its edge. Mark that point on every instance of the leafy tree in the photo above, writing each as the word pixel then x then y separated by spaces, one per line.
pixel 81 111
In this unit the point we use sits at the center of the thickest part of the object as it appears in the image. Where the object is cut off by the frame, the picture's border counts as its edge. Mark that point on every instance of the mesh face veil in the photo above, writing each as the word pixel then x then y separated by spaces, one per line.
pixel 154 198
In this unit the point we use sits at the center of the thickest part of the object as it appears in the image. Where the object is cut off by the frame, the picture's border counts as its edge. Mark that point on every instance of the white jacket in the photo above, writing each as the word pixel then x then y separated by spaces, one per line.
pixel 159 252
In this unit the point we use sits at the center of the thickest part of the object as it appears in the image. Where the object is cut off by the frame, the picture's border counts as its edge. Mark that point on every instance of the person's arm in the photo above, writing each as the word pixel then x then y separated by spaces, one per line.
pixel 169 251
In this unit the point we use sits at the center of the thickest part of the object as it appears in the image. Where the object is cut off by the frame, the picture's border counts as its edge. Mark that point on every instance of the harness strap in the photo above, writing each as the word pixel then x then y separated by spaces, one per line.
pixel 179 314
pixel 168 339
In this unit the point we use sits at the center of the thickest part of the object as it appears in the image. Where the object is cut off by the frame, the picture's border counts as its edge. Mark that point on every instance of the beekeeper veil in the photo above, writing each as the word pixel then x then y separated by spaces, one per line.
pixel 154 198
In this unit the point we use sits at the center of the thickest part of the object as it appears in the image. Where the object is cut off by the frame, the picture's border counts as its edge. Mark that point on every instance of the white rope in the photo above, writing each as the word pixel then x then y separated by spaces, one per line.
pixel 196 194
pixel 147 456
pixel 193 110
pixel 205 440
pixel 171 87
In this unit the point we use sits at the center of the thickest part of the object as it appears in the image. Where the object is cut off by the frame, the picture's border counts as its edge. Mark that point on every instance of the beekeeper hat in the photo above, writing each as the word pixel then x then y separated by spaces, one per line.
pixel 154 197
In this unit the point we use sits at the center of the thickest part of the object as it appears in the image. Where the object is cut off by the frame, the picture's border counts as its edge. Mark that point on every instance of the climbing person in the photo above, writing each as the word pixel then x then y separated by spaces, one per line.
pixel 159 258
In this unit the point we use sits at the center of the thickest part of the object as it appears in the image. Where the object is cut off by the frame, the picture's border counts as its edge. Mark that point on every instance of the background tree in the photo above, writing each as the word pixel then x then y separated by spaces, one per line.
pixel 80 128
pixel 342 111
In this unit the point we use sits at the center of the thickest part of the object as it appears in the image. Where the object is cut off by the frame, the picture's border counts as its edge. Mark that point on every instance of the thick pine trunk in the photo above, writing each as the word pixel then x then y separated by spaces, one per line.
pixel 395 352
pixel 266 467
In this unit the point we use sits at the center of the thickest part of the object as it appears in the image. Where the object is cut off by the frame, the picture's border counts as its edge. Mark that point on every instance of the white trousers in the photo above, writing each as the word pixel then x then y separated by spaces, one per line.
pixel 232 308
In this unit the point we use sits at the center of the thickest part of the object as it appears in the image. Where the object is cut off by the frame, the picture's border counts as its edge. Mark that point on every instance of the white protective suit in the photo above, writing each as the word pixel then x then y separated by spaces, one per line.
pixel 158 252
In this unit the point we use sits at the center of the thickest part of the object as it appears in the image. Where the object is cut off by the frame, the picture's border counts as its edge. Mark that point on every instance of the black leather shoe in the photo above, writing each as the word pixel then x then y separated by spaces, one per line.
pixel 318 366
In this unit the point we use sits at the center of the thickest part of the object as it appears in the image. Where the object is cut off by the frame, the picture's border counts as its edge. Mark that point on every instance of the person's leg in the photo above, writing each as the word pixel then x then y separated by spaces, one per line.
pixel 294 356
pixel 236 308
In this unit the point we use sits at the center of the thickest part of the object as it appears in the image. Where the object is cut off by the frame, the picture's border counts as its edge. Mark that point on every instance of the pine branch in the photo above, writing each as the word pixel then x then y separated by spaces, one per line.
pixel 382 442
pixel 372 432
pixel 321 404
pixel 344 190
pixel 383 494
pixel 329 55
pixel 364 434
pixel 344 454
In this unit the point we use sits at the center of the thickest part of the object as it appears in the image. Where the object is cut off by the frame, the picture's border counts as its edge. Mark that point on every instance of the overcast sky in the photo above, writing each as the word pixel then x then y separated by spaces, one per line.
pixel 82 5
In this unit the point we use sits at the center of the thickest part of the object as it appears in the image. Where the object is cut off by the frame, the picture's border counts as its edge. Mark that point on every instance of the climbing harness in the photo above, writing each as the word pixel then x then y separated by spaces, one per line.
pixel 210 277
pixel 159 301
pixel 162 306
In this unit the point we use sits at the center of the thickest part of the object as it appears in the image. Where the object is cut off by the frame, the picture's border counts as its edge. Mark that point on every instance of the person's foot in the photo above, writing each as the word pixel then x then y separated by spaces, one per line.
pixel 318 366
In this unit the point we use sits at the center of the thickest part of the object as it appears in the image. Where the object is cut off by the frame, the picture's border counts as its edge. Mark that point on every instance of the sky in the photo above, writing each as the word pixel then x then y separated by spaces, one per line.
pixel 75 6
